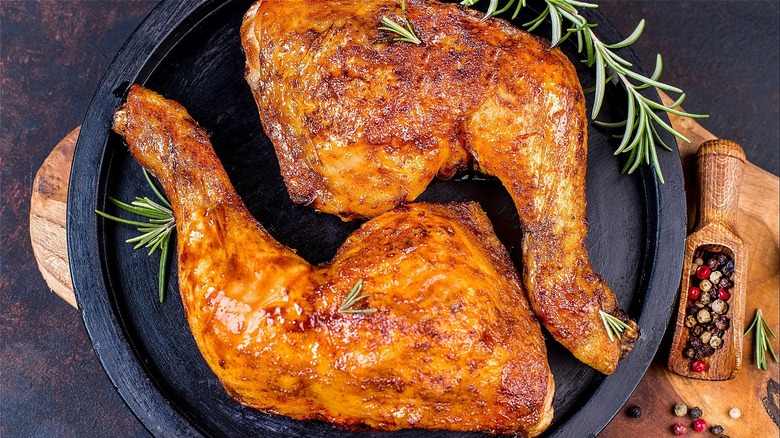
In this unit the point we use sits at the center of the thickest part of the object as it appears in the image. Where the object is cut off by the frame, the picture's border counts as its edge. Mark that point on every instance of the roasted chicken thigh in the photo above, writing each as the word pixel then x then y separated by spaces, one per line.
pixel 361 124
pixel 442 338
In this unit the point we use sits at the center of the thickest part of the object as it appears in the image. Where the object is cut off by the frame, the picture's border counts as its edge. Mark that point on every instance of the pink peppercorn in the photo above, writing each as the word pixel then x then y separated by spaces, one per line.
pixel 723 294
pixel 679 429
pixel 700 425
pixel 703 272
pixel 694 293
pixel 699 366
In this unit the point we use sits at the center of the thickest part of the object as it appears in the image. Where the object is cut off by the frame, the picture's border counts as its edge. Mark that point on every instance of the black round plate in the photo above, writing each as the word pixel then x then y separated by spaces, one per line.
pixel 190 51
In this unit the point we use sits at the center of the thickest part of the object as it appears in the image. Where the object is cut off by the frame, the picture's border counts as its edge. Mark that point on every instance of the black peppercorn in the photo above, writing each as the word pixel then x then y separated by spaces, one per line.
pixel 635 412
pixel 717 429
pixel 716 332
pixel 713 293
pixel 707 350
pixel 696 342
pixel 728 268
pixel 713 264
pixel 689 353
pixel 722 322
pixel 725 283
pixel 722 259
pixel 695 413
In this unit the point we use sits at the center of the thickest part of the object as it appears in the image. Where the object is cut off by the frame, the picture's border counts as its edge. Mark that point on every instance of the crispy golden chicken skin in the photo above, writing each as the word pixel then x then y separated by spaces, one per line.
pixel 360 127
pixel 453 343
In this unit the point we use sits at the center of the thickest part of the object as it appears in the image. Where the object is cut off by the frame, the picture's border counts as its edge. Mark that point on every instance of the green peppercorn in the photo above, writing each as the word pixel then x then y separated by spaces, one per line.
pixel 715 277
pixel 695 413
pixel 680 409
pixel 716 342
pixel 703 316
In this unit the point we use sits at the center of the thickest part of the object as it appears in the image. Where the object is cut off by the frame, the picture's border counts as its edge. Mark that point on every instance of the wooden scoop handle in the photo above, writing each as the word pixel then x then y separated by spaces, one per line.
pixel 720 167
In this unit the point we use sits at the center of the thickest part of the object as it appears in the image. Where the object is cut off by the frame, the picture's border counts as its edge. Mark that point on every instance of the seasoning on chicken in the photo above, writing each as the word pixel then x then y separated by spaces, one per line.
pixel 439 337
pixel 360 127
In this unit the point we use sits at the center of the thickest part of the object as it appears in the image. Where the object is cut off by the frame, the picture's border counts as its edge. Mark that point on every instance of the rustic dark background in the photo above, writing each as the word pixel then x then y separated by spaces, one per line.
pixel 724 54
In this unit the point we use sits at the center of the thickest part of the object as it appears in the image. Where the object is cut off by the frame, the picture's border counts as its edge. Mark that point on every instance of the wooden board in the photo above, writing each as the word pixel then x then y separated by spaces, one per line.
pixel 754 392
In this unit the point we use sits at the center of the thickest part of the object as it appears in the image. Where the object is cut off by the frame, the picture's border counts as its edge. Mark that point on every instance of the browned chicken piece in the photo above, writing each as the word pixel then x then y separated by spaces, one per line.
pixel 360 127
pixel 452 343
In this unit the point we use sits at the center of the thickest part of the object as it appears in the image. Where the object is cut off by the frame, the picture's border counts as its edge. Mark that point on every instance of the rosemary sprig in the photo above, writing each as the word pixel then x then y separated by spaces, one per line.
pixel 156 233
pixel 762 341
pixel 640 136
pixel 404 30
pixel 352 298
pixel 613 325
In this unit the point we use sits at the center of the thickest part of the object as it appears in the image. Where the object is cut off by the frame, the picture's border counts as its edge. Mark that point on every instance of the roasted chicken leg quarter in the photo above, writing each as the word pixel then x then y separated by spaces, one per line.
pixel 439 336
pixel 361 123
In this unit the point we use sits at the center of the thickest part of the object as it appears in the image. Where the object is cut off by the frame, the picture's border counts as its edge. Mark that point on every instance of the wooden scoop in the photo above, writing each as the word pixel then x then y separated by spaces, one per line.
pixel 720 164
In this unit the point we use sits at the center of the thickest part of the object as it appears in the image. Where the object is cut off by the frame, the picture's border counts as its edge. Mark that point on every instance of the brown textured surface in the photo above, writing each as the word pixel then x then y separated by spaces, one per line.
pixel 53 55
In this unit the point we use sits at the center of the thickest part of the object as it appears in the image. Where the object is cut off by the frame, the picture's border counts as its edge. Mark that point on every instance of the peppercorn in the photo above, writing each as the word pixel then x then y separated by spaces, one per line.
pixel 698 261
pixel 717 429
pixel 705 337
pixel 697 331
pixel 635 412
pixel 690 321
pixel 728 268
pixel 703 272
pixel 722 322
pixel 703 316
pixel 713 264
pixel 700 425
pixel 725 283
pixel 723 294
pixel 715 277
pixel 714 330
pixel 679 429
pixel 705 285
pixel 719 306
pixel 716 342
pixel 680 409
pixel 689 353
pixel 695 342
pixel 735 413
pixel 707 350
pixel 705 299
pixel 699 367
pixel 694 293
pixel 695 412
pixel 722 258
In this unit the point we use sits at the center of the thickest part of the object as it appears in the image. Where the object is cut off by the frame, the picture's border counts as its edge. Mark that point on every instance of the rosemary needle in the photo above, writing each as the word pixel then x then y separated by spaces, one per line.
pixel 763 344
pixel 353 298
pixel 404 30
pixel 155 233
pixel 613 325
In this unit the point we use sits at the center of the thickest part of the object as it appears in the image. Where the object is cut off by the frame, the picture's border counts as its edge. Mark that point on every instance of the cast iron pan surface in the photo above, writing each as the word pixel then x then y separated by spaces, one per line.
pixel 190 51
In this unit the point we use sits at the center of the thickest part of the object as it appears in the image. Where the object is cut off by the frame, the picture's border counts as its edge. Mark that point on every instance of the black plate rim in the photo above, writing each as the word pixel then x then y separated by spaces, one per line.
pixel 665 227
